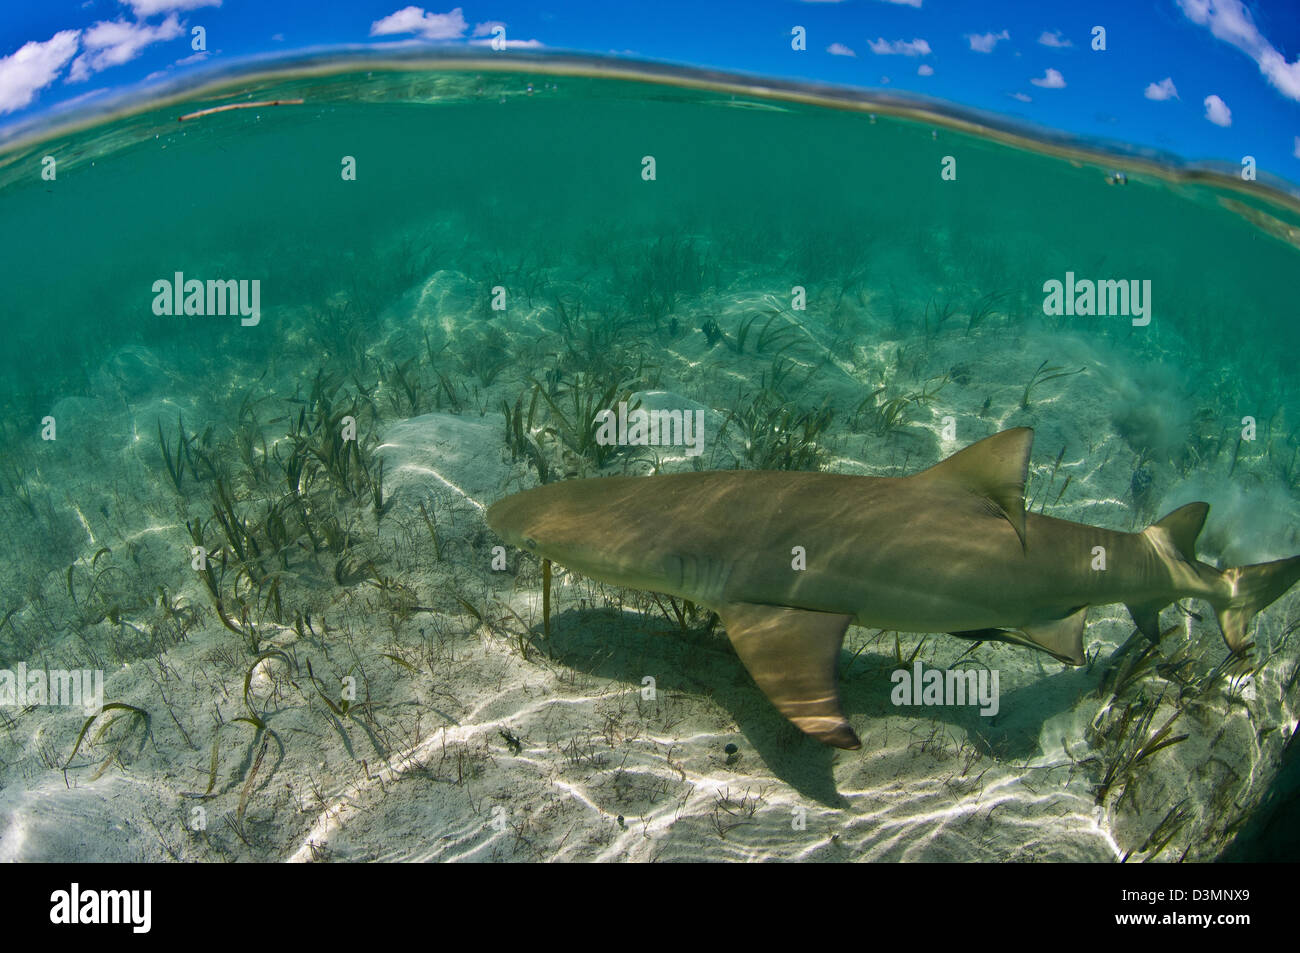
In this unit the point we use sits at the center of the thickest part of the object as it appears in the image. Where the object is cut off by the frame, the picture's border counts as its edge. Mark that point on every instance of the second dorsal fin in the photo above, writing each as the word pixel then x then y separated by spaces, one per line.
pixel 995 468
pixel 1181 527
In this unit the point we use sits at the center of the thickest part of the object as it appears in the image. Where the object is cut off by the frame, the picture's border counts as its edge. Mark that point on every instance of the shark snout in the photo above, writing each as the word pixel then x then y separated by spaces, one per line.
pixel 549 523
pixel 509 519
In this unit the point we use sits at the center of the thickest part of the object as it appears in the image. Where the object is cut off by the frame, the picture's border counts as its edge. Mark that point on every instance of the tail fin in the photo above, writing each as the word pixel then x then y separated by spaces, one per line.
pixel 1245 589
pixel 1252 588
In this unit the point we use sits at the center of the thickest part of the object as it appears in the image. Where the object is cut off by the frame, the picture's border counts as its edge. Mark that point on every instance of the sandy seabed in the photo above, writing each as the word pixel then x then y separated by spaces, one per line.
pixel 473 737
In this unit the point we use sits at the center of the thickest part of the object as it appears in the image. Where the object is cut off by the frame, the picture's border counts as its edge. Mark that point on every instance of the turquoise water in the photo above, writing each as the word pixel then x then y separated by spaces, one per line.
pixel 369 559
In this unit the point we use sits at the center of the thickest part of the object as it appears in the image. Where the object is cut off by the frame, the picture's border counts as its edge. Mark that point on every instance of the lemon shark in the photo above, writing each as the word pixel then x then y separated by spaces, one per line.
pixel 789 559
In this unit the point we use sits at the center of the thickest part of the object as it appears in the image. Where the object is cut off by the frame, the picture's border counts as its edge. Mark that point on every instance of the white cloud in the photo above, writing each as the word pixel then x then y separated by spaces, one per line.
pixel 1052 79
pixel 147 8
pixel 984 42
pixel 485 29
pixel 1217 111
pixel 925 69
pixel 1296 153
pixel 430 26
pixel 114 42
pixel 1230 21
pixel 1023 97
pixel 901 47
pixel 33 67
pixel 1054 40
pixel 1162 90
pixel 906 3
pixel 839 49
pixel 198 57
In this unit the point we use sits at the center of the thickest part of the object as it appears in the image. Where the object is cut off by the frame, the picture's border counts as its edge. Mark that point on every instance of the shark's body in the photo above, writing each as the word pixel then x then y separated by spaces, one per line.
pixel 950 549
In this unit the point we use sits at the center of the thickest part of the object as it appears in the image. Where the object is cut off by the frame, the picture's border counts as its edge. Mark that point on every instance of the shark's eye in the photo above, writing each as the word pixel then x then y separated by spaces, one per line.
pixel 530 543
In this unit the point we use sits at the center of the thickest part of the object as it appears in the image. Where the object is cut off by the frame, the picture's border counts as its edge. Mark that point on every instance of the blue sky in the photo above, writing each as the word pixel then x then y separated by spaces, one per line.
pixel 1204 79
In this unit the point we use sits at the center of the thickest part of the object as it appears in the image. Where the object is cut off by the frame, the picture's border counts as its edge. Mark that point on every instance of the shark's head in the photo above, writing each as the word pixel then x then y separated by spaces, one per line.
pixel 570 524
pixel 513 519
pixel 549 522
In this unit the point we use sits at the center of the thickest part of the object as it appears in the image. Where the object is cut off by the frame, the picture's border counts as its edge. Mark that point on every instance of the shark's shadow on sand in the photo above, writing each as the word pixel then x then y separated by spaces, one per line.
pixel 626 647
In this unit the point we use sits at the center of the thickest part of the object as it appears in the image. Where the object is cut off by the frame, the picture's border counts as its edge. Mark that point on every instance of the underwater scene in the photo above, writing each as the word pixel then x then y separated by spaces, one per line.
pixel 564 460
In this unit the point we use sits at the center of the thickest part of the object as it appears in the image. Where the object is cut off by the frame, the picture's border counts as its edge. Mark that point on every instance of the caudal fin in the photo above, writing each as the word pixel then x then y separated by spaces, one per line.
pixel 1240 592
pixel 1252 588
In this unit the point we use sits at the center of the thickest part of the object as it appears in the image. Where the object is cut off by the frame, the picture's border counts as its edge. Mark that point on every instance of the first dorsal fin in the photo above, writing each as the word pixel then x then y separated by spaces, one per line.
pixel 995 468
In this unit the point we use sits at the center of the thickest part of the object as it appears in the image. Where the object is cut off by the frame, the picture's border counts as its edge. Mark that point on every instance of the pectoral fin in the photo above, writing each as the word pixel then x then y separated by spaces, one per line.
pixel 793 656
